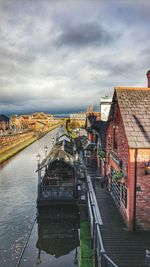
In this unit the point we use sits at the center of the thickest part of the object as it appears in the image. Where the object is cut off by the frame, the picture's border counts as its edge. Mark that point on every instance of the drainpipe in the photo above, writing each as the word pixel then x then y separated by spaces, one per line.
pixel 135 182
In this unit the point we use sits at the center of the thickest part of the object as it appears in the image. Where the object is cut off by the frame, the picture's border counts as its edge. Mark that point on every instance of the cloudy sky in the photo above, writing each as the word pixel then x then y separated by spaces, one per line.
pixel 61 56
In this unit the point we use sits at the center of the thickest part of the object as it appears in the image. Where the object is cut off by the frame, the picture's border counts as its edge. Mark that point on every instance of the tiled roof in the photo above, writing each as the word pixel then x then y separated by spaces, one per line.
pixel 59 153
pixel 4 118
pixel 134 104
pixel 64 137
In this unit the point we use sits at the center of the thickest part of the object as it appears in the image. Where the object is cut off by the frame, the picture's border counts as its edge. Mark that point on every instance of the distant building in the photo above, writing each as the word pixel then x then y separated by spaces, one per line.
pixel 105 104
pixel 78 118
pixel 36 121
pixel 4 118
pixel 38 126
pixel 92 126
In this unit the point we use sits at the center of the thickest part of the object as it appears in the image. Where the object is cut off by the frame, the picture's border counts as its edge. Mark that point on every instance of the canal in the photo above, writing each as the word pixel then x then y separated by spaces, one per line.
pixel 48 244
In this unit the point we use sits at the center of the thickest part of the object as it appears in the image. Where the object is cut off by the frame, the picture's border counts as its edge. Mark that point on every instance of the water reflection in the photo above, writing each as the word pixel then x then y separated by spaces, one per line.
pixel 57 231
pixel 55 241
pixel 18 193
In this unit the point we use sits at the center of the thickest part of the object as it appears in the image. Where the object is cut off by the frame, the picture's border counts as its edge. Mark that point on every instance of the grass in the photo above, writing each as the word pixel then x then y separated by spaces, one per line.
pixel 86 252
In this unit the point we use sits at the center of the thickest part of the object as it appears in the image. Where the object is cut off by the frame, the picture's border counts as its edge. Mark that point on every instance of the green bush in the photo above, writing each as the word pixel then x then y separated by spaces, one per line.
pixel 102 154
pixel 117 176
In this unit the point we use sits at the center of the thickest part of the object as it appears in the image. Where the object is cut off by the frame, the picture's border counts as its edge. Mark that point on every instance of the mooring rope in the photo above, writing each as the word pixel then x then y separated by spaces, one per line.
pixel 25 245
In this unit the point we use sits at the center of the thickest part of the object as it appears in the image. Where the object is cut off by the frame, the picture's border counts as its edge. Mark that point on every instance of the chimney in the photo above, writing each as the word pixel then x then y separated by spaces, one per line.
pixel 148 78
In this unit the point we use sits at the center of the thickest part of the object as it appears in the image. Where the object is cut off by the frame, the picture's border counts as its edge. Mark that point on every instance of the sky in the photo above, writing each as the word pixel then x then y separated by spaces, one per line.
pixel 62 56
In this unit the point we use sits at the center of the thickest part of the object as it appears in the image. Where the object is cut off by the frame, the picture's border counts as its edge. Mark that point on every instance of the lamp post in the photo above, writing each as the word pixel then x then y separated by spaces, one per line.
pixel 53 140
pixel 39 174
pixel 38 261
pixel 38 158
pixel 45 148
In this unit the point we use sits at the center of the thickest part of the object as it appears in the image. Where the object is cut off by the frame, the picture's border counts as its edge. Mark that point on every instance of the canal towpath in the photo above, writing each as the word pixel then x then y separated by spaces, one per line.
pixel 125 248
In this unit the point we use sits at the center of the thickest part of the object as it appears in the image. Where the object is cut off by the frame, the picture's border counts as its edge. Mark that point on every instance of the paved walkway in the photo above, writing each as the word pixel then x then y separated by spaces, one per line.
pixel 125 248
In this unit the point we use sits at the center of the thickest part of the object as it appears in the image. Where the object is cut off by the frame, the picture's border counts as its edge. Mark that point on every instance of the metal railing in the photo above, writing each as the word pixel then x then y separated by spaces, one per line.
pixel 58 192
pixel 147 258
pixel 101 258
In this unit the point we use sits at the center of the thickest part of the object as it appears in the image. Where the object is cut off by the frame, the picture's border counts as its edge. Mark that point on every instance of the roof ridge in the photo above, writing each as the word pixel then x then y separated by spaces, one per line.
pixel 132 88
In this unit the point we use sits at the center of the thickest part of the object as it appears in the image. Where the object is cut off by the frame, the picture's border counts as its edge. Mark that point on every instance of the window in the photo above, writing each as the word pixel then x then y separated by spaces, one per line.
pixel 115 139
pixel 147 168
pixel 87 153
pixel 124 195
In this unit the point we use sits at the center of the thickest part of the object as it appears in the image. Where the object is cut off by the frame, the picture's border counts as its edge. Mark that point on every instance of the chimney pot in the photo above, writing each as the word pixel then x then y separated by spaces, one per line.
pixel 148 78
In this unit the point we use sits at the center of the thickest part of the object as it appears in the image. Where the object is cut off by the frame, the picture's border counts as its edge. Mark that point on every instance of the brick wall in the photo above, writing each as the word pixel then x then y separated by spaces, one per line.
pixel 123 155
pixel 123 149
pixel 131 191
pixel 9 140
pixel 143 191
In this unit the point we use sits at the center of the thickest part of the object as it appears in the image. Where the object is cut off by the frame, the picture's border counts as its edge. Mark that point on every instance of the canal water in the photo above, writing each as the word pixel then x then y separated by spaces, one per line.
pixel 18 193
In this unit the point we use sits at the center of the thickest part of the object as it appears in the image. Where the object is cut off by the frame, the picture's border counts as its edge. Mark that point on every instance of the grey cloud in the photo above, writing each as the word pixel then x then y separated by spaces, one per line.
pixel 121 69
pixel 112 68
pixel 145 57
pixel 42 66
pixel 85 34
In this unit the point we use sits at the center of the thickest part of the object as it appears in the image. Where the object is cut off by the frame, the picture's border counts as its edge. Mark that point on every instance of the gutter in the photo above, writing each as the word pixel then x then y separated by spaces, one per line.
pixel 135 182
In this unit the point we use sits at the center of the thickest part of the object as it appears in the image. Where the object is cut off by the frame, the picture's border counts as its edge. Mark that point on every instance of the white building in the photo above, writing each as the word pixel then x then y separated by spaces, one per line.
pixel 105 103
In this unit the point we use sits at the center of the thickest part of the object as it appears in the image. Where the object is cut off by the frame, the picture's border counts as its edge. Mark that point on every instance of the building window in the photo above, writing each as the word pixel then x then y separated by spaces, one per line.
pixel 87 153
pixel 115 189
pixel 109 141
pixel 147 168
pixel 124 195
pixel 115 139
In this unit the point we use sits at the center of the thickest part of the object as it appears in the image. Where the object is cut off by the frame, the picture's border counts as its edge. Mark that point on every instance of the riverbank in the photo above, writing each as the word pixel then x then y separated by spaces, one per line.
pixel 86 252
pixel 15 148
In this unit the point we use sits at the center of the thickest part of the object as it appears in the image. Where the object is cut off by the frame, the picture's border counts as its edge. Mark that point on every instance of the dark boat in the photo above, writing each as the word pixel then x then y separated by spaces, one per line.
pixel 58 184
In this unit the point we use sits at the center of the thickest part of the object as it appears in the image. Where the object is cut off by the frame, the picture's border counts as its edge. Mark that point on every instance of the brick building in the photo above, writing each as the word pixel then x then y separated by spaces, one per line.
pixel 128 154
pixel 92 127
pixel 36 121
pixel 101 149
pixel 105 103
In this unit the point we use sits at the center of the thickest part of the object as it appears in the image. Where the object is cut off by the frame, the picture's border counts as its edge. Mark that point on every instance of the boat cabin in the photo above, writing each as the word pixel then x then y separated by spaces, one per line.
pixel 57 175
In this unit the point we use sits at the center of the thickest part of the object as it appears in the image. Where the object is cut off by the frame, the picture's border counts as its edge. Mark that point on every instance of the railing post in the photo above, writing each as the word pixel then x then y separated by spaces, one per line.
pixel 147 258
pixel 95 244
pixel 102 253
pixel 39 182
pixel 75 191
pixel 93 183
pixel 93 240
